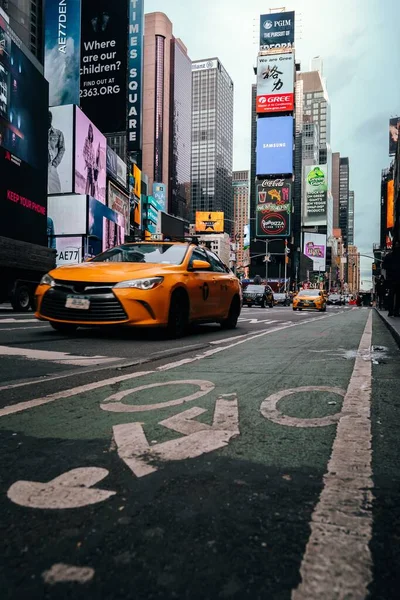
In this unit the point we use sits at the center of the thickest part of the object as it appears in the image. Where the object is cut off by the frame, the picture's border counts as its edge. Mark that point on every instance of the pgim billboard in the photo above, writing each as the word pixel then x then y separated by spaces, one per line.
pixel 277 31
pixel 275 83
pixel 316 190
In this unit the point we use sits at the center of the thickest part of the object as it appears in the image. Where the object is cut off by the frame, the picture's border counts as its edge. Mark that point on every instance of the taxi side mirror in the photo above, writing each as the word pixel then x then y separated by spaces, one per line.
pixel 200 265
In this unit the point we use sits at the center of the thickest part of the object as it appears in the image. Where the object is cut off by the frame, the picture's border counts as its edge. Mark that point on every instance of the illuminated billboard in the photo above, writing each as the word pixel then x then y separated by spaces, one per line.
pixel 315 248
pixel 277 31
pixel 273 208
pixel 275 83
pixel 394 126
pixel 60 153
pixel 209 222
pixel 135 74
pixel 316 190
pixel 160 194
pixel 274 146
pixel 390 205
pixel 90 158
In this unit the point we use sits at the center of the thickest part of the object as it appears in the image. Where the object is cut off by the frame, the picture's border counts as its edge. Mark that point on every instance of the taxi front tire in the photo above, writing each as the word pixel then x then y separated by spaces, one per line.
pixel 178 316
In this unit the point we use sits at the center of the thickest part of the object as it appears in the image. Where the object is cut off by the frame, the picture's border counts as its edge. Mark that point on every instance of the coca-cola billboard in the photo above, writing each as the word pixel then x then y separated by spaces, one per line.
pixel 273 208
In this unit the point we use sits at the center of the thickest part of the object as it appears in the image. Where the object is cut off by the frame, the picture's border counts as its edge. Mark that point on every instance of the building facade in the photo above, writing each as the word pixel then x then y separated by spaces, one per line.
pixel 350 220
pixel 353 269
pixel 344 179
pixel 167 82
pixel 26 19
pixel 212 140
pixel 241 190
pixel 335 188
pixel 218 243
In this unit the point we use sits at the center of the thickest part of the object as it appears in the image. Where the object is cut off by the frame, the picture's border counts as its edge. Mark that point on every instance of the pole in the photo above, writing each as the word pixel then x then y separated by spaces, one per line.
pixel 266 261
pixel 285 273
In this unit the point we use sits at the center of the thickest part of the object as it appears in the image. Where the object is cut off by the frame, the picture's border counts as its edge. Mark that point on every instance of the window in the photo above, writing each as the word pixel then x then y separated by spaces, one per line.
pixel 216 264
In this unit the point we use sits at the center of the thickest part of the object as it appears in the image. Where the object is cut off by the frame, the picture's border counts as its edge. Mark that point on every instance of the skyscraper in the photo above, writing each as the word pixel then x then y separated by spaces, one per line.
pixel 317 107
pixel 26 19
pixel 167 84
pixel 212 140
pixel 240 182
pixel 350 220
pixel 335 188
pixel 344 177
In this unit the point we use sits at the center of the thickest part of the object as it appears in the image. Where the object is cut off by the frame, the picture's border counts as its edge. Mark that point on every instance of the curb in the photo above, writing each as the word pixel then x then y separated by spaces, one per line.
pixel 392 329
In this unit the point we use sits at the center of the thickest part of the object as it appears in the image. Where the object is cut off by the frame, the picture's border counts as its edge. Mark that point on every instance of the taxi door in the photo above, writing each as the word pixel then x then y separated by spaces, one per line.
pixel 201 287
pixel 224 283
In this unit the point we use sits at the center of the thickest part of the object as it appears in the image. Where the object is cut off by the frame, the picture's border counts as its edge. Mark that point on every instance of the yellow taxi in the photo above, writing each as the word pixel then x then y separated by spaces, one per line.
pixel 141 284
pixel 310 299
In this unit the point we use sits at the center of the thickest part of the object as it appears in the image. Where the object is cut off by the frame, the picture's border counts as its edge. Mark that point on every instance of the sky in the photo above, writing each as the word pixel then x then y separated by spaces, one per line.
pixel 360 46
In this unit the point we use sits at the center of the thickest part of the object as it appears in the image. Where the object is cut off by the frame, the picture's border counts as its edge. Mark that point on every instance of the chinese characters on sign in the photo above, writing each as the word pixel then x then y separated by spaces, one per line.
pixel 275 83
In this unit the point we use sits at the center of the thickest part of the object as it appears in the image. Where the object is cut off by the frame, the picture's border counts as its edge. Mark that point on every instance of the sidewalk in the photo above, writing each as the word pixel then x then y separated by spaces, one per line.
pixel 393 324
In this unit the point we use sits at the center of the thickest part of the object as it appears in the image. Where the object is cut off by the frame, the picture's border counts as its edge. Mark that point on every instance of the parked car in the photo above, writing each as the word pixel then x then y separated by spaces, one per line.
pixel 335 299
pixel 282 299
pixel 259 295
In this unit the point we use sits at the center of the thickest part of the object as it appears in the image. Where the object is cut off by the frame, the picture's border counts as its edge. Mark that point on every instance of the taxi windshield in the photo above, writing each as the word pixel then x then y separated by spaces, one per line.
pixel 169 254
pixel 308 293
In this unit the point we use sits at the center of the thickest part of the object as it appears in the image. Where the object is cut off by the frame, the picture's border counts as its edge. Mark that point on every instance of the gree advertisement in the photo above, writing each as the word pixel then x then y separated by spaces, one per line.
pixel 316 189
pixel 209 222
pixel 62 50
pixel 315 249
pixel 275 83
pixel 135 74
pixel 103 62
pixel 273 208
pixel 90 158
pixel 60 151
pixel 274 146
pixel 23 170
pixel 394 127
pixel 160 194
pixel 277 31
pixel 119 202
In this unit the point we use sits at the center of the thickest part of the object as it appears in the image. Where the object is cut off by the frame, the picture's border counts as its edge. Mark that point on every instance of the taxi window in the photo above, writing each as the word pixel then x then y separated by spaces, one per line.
pixel 216 264
pixel 198 254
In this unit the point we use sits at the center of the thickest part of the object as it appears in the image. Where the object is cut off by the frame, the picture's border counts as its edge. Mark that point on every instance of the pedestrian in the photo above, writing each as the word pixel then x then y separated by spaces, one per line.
pixel 391 265
pixel 359 301
pixel 257 280
pixel 380 289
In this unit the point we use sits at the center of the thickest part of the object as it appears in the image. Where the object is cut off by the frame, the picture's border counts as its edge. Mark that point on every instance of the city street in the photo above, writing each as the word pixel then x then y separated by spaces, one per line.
pixel 252 464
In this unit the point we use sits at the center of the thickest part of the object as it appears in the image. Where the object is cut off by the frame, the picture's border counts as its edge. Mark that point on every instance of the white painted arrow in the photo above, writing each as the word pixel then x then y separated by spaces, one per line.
pixel 199 438
pixel 69 490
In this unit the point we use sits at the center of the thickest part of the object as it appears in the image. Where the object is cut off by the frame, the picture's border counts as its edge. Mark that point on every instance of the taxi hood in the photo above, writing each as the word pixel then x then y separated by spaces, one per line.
pixel 110 272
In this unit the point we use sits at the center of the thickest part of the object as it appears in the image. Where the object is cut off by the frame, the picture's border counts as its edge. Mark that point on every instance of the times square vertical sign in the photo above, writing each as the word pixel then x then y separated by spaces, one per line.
pixel 135 74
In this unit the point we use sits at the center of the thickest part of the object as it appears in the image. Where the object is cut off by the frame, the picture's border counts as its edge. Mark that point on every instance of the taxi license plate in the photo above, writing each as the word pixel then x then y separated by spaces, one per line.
pixel 78 302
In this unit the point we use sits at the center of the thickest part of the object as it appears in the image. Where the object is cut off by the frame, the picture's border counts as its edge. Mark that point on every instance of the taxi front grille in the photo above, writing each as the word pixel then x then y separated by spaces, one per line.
pixel 103 307
pixel 306 303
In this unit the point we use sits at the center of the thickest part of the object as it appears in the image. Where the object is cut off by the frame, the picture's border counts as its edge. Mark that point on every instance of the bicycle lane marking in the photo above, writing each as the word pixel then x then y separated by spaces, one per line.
pixel 337 561
pixel 23 406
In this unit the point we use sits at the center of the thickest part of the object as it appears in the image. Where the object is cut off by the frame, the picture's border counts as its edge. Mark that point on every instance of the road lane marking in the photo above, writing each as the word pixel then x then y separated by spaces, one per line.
pixel 270 411
pixel 205 387
pixel 198 438
pixel 28 404
pixel 62 573
pixel 62 358
pixel 19 321
pixel 23 328
pixel 72 489
pixel 337 562
pixel 21 406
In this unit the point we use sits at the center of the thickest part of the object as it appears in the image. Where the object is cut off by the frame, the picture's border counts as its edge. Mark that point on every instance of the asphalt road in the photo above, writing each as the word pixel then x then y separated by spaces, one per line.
pixel 255 464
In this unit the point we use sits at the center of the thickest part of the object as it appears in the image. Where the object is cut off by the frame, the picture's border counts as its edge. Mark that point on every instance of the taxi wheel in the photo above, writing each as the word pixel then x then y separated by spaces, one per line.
pixel 66 328
pixel 234 312
pixel 178 317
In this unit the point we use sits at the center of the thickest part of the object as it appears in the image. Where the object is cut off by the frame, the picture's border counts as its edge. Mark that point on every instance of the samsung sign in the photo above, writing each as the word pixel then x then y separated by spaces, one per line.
pixel 274 146
pixel 135 74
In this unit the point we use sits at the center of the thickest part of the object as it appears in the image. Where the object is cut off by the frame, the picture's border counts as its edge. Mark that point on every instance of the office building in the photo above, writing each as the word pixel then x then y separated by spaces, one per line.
pixel 335 188
pixel 350 220
pixel 218 243
pixel 212 140
pixel 310 145
pixel 26 19
pixel 167 84
pixel 317 107
pixel 344 178
pixel 240 183
pixel 353 278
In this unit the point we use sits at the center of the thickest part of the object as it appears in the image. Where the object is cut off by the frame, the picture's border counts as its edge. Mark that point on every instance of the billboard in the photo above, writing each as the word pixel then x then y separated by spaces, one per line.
pixel 103 63
pixel 119 202
pixel 275 83
pixel 105 227
pixel 315 249
pixel 277 31
pixel 390 205
pixel 135 187
pixel 274 146
pixel 135 74
pixel 209 222
pixel 394 126
pixel 60 153
pixel 316 189
pixel 23 143
pixel 273 208
pixel 205 65
pixel 62 50
pixel 90 158
pixel 116 168
pixel 67 214
pixel 160 194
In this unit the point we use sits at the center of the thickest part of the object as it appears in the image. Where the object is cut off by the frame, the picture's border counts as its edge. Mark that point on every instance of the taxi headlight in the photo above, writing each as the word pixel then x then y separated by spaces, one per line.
pixel 47 280
pixel 140 284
